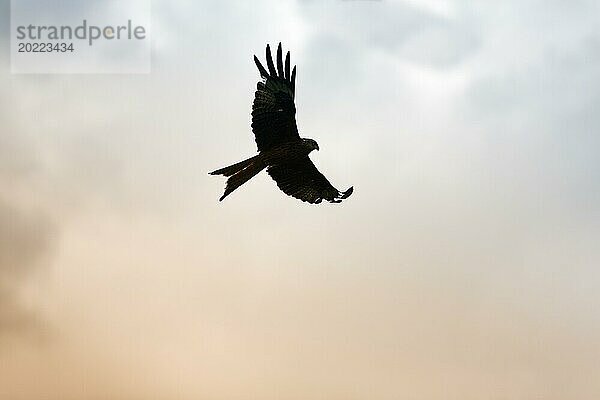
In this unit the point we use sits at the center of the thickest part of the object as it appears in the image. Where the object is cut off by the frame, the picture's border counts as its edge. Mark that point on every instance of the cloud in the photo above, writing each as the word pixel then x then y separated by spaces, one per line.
pixel 538 118
pixel 26 242
pixel 403 31
pixel 26 230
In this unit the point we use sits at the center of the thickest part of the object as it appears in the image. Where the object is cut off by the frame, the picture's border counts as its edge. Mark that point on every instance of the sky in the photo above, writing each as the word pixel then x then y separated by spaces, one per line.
pixel 464 266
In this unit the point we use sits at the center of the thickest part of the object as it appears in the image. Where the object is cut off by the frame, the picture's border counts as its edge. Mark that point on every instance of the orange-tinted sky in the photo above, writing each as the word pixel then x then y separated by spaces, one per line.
pixel 464 266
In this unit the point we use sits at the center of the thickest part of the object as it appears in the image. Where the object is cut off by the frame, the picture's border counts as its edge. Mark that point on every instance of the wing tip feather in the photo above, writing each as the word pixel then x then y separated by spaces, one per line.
pixel 347 193
pixel 261 69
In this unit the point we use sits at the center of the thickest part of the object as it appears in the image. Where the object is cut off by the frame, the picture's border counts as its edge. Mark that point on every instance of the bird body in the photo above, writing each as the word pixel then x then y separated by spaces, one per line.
pixel 281 149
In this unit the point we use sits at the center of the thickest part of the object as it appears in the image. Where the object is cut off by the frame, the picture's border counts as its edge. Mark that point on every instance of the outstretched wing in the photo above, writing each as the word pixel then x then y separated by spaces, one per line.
pixel 302 180
pixel 273 109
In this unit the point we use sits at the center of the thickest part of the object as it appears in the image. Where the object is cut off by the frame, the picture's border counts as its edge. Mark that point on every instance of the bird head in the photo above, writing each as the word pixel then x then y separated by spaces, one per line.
pixel 311 144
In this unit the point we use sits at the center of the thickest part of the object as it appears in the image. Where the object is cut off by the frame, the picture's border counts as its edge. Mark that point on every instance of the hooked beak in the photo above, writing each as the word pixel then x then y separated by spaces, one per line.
pixel 317 147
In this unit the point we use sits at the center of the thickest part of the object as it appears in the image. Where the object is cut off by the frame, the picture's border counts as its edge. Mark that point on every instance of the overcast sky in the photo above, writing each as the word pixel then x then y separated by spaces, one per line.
pixel 464 266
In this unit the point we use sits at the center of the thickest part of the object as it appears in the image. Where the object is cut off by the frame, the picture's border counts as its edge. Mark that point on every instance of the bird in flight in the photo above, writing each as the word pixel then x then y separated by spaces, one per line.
pixel 281 150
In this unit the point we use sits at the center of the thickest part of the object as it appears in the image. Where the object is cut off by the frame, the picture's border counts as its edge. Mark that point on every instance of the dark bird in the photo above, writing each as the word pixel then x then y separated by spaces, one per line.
pixel 281 150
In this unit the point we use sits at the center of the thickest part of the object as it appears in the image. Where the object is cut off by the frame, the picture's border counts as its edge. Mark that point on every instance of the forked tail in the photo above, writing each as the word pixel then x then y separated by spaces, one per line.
pixel 239 173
